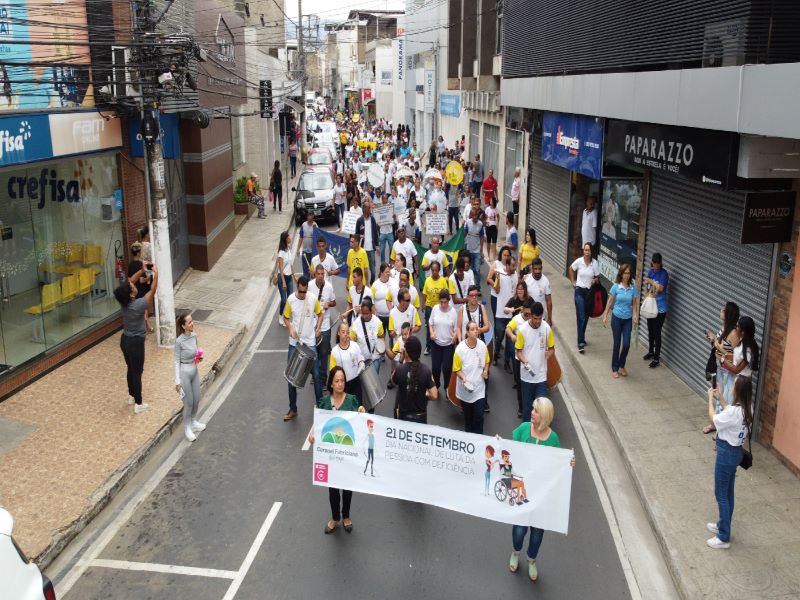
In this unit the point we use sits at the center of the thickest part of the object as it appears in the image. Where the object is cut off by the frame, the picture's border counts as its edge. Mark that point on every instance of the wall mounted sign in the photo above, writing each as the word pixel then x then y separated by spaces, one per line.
pixel 450 105
pixel 574 142
pixel 701 155
pixel 768 217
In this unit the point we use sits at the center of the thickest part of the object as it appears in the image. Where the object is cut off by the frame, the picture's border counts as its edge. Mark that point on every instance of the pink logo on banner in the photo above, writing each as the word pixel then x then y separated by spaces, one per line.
pixel 321 473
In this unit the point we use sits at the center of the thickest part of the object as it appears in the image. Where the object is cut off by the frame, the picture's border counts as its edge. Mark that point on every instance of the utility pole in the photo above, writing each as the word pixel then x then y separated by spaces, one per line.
pixel 155 183
pixel 302 75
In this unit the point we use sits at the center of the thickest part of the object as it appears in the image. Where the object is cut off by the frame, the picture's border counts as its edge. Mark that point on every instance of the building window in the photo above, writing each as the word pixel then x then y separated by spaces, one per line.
pixel 491 149
pixel 474 136
pixel 57 249
pixel 498 47
pixel 237 141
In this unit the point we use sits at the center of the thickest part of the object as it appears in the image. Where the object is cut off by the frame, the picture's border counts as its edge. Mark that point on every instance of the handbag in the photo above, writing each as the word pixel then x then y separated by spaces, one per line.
pixel 747 456
pixel 649 308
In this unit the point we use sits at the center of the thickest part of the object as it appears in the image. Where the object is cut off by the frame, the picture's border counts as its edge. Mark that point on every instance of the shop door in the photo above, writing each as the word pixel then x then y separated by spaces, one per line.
pixel 548 208
pixel 697 231
pixel 513 159
pixel 176 214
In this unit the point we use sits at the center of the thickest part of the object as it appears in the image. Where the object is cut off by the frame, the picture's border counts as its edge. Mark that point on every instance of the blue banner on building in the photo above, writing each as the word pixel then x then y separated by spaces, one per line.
pixel 574 142
pixel 450 105
pixel 24 138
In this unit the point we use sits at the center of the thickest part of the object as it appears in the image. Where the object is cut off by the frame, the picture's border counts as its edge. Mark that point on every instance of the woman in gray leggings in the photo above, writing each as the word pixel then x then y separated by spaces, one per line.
pixel 187 375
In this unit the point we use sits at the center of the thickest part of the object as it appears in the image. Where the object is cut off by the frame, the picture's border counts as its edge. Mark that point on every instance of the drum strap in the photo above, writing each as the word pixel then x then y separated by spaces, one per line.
pixel 480 318
pixel 366 337
pixel 458 283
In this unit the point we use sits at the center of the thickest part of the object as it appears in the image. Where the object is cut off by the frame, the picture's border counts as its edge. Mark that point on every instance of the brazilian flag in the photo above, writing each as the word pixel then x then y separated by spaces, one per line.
pixel 451 248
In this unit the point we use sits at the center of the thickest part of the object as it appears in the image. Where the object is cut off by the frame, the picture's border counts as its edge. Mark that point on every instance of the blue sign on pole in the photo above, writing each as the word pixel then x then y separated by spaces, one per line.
pixel 24 138
pixel 574 142
pixel 450 104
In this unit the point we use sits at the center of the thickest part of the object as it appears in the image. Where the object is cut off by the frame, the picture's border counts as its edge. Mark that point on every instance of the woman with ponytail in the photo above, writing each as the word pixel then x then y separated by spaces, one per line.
pixel 415 386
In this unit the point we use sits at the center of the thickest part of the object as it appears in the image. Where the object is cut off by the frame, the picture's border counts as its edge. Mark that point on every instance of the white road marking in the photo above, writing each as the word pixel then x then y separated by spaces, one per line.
pixel 602 494
pixel 307 444
pixel 159 568
pixel 251 555
pixel 279 351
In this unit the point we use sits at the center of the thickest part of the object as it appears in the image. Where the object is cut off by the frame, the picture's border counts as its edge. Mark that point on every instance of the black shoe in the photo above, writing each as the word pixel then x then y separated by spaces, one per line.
pixel 515 386
pixel 581 347
pixel 389 385
pixel 655 363
pixel 427 351
pixel 648 356
pixel 494 362
pixel 486 408
pixel 519 414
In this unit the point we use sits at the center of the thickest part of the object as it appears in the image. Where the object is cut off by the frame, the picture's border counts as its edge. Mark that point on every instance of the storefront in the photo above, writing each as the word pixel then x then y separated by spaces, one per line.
pixel 60 209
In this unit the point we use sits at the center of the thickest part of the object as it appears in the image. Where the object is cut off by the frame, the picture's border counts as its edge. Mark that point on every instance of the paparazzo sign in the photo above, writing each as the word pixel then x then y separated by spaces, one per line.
pixel 708 157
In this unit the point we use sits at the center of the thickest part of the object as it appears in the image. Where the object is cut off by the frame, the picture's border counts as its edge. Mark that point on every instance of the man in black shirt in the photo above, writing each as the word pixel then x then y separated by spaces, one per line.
pixel 415 386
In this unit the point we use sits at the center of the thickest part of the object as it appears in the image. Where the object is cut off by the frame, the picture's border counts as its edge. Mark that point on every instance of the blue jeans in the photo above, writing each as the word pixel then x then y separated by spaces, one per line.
pixel 388 240
pixel 531 391
pixel 284 292
pixel 452 219
pixel 518 539
pixel 373 274
pixel 428 310
pixel 315 377
pixel 500 338
pixel 621 330
pixel 728 459
pixel 473 416
pixel 340 208
pixel 293 165
pixel 580 314
pixel 475 259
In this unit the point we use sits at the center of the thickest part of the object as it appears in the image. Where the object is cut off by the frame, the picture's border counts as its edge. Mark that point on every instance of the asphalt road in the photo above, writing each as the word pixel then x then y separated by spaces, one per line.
pixel 220 499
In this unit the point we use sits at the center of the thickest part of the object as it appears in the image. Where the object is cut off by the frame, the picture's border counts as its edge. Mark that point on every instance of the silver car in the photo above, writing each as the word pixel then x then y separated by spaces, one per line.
pixel 314 192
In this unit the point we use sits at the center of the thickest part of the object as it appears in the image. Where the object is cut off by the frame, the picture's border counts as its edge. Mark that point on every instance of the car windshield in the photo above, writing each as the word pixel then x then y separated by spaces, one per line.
pixel 310 182
pixel 319 158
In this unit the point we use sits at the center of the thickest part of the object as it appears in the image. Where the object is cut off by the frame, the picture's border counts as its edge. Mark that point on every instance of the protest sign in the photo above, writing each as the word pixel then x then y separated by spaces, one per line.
pixel 349 222
pixel 436 223
pixel 383 213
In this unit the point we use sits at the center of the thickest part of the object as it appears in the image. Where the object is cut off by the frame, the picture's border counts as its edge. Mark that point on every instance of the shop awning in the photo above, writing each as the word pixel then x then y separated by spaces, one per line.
pixel 298 108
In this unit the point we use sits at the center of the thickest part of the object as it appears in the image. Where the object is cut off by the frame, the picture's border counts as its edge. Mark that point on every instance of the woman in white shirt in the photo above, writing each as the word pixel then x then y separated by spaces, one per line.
pixel 733 424
pixel 339 199
pixel 442 327
pixel 284 271
pixel 471 366
pixel 382 295
pixel 347 354
pixel 583 273
pixel 745 357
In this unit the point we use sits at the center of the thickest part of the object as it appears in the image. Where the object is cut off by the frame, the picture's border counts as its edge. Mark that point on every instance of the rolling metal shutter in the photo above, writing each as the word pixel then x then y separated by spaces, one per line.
pixel 548 207
pixel 697 230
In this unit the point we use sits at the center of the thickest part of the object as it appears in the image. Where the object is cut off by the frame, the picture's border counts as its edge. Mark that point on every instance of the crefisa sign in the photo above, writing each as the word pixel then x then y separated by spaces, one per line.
pixel 574 142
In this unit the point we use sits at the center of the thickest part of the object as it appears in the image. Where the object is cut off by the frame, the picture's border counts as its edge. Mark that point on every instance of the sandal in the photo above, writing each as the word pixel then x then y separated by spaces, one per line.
pixel 533 572
pixel 329 529
pixel 615 375
pixel 709 428
pixel 623 372
pixel 513 562
pixel 348 526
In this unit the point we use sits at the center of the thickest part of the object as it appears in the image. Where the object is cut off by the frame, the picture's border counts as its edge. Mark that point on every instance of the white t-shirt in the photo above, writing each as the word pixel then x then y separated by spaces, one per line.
pixel 286 255
pixel 329 264
pixel 444 323
pixel 534 343
pixel 407 249
pixel 420 194
pixel 295 310
pixel 394 286
pixel 740 354
pixel 347 359
pixel 381 292
pixel 355 298
pixel 374 329
pixel 439 200
pixel 499 267
pixel 475 316
pixel 585 273
pixel 431 256
pixel 369 243
pixel 538 289
pixel 398 317
pixel 508 284
pixel 730 425
pixel 462 287
pixel 589 227
pixel 471 362
pixel 326 296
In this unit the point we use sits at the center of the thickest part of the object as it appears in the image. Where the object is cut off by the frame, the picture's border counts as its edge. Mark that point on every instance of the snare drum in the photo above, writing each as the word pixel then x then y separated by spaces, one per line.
pixel 299 366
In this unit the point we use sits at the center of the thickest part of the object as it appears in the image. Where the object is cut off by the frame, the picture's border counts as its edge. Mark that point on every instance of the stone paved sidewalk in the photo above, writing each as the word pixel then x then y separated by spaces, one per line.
pixel 70 438
pixel 656 419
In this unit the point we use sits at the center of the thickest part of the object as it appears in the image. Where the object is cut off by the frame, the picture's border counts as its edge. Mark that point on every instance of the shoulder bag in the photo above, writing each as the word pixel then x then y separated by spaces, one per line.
pixel 747 455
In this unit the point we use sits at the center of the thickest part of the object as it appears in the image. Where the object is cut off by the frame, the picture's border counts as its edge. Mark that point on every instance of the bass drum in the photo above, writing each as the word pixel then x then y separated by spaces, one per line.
pixel 372 390
pixel 299 366
pixel 553 372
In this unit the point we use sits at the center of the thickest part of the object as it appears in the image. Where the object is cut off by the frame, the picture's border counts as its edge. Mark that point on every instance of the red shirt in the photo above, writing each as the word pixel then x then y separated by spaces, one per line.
pixel 489 188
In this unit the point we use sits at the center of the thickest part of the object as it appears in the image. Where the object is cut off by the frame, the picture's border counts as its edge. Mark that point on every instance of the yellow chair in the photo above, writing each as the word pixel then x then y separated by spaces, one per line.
pixel 69 288
pixel 93 255
pixel 51 296
pixel 86 279
pixel 75 252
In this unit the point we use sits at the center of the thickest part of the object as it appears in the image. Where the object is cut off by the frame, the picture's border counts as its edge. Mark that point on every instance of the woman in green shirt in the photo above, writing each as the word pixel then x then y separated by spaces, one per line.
pixel 536 431
pixel 337 399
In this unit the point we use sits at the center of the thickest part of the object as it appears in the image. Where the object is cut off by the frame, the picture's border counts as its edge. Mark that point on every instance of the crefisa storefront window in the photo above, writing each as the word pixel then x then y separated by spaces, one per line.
pixel 59 230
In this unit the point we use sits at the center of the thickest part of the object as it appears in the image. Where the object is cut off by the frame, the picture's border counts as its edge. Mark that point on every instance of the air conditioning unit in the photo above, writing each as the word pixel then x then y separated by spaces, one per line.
pixel 494 102
pixel 125 79
pixel 724 43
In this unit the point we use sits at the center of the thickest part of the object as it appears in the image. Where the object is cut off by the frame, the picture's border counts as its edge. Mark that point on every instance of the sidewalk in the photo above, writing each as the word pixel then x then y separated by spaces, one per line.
pixel 70 440
pixel 656 420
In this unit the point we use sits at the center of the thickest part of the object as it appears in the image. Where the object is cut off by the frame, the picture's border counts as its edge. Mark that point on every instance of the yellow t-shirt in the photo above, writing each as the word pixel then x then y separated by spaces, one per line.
pixel 432 288
pixel 526 255
pixel 356 258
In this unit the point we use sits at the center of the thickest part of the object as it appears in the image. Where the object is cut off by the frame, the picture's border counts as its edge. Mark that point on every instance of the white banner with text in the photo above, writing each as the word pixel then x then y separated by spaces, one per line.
pixel 497 479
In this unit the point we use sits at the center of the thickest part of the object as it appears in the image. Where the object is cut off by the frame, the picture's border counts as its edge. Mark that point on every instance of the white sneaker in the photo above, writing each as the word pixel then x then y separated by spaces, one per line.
pixel 280 321
pixel 712 527
pixel 197 426
pixel 718 544
pixel 131 400
pixel 190 436
pixel 140 408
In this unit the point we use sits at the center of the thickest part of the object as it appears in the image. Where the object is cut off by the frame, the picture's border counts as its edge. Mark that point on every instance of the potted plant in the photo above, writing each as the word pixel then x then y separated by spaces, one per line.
pixel 240 204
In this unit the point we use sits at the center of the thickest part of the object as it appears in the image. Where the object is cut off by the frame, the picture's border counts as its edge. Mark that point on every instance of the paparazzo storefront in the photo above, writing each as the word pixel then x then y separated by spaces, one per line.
pixel 692 215
pixel 60 209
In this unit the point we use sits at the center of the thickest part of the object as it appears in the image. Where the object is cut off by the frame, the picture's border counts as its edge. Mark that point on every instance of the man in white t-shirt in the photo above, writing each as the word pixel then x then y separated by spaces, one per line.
pixel 405 246
pixel 589 223
pixel 435 254
pixel 535 345
pixel 322 290
pixel 326 260
pixel 539 288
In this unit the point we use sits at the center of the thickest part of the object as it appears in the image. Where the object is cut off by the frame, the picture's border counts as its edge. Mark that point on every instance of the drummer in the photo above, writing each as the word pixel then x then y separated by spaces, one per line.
pixel 303 319
pixel 367 331
pixel 403 312
pixel 347 354
pixel 535 345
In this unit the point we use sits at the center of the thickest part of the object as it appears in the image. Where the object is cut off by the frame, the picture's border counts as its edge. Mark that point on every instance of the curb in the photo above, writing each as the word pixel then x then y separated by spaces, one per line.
pixel 102 496
pixel 587 382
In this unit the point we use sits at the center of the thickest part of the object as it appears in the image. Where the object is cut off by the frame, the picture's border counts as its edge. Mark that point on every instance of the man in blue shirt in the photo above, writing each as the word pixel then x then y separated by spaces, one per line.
pixel 656 281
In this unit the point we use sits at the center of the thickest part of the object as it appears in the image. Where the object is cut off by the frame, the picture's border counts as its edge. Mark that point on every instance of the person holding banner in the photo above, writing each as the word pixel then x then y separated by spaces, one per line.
pixel 415 386
pixel 338 399
pixel 535 345
pixel 471 366
pixel 347 355
pixel 327 261
pixel 536 431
